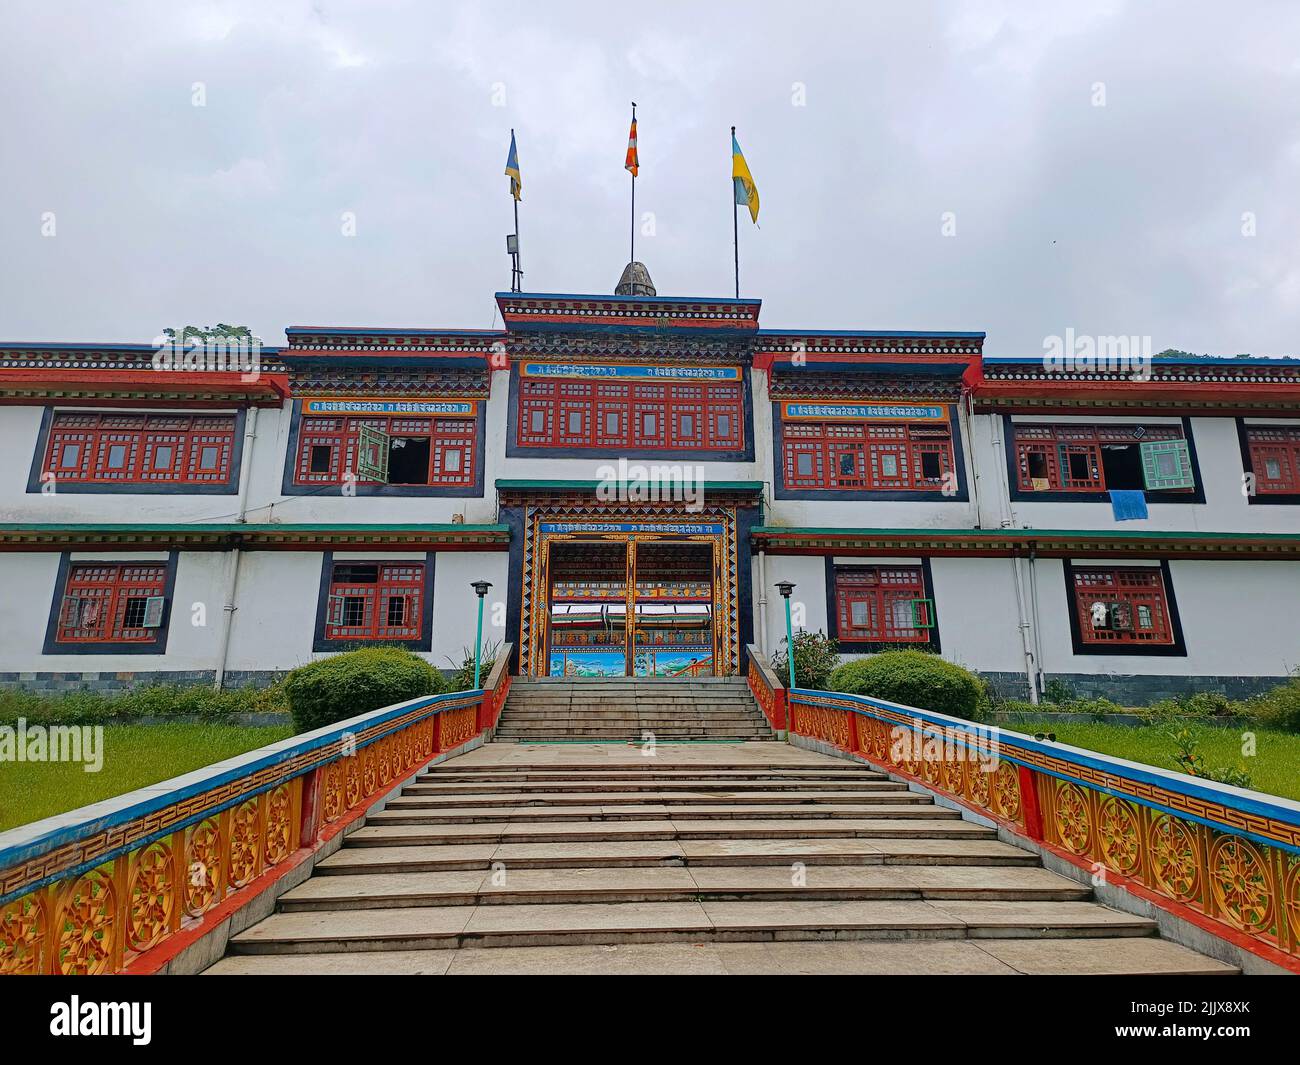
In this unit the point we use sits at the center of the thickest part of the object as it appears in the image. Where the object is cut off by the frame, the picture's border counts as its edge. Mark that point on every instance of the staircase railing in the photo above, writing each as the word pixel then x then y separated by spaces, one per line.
pixel 1223 858
pixel 127 884
pixel 767 688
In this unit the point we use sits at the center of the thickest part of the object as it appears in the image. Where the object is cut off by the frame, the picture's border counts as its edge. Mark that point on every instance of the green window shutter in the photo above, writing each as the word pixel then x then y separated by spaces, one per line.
pixel 153 612
pixel 1167 464
pixel 922 613
pixel 372 455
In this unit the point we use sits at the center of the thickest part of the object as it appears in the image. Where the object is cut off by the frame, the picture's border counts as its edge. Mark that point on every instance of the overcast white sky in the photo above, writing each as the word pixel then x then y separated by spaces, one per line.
pixel 1125 218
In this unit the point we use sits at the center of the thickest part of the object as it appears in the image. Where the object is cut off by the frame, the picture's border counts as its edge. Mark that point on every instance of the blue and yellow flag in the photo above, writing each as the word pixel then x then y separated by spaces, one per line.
pixel 512 169
pixel 746 190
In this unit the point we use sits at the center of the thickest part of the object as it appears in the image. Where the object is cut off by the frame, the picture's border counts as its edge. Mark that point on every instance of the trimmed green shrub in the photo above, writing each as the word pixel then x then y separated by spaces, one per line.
pixel 913 678
pixel 815 656
pixel 356 682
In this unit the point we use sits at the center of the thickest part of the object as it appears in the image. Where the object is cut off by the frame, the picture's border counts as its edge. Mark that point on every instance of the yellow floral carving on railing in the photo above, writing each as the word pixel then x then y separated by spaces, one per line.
pixel 97 922
pixel 1252 887
pixel 1105 820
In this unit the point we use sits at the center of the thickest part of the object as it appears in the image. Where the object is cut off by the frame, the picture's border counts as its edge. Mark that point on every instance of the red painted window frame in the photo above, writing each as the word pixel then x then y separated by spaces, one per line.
pixel 881 587
pixel 1048 438
pixel 141 434
pixel 870 444
pixel 1282 443
pixel 404 580
pixel 341 433
pixel 113 584
pixel 703 402
pixel 1136 586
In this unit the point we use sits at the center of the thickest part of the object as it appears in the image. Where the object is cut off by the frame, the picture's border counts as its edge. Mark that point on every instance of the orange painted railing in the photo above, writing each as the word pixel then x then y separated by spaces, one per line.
pixel 1223 858
pixel 126 884
pixel 767 689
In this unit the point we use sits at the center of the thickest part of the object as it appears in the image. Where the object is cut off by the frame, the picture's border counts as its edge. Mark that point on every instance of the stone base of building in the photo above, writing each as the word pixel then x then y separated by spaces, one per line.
pixel 1135 689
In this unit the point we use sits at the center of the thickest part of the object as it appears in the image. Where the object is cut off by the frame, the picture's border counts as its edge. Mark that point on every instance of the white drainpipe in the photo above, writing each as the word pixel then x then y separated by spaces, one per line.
pixel 232 569
pixel 1009 522
pixel 762 602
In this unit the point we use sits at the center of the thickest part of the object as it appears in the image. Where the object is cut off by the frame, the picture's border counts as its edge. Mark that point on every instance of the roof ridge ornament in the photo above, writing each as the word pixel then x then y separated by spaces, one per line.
pixel 635 281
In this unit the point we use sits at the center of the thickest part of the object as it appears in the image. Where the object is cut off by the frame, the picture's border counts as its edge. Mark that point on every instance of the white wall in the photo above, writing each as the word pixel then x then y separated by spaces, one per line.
pixel 1238 619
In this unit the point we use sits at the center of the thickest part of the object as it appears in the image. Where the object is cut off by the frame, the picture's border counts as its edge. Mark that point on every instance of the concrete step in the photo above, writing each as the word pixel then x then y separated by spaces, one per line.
pixel 1100 956
pixel 432 927
pixel 387 835
pixel 635 776
pixel 643 853
pixel 640 812
pixel 425 799
pixel 557 791
pixel 645 767
pixel 509 886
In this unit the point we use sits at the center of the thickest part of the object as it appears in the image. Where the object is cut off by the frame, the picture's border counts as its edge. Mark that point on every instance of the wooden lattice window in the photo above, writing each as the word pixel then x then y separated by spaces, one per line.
pixel 140 449
pixel 1098 458
pixel 883 604
pixel 1274 459
pixel 401 450
pixel 112 602
pixel 1123 606
pixel 569 414
pixel 375 601
pixel 870 456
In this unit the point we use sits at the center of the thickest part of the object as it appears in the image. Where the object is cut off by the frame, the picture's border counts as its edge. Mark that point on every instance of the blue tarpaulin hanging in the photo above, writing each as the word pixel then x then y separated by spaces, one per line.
pixel 1128 506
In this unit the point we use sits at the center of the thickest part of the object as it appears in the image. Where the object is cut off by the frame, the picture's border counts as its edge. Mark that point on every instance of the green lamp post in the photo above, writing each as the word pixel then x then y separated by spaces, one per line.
pixel 481 590
pixel 785 588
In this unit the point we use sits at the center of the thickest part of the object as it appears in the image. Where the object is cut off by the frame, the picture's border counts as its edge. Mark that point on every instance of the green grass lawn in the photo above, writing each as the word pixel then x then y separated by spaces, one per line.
pixel 133 756
pixel 1274 768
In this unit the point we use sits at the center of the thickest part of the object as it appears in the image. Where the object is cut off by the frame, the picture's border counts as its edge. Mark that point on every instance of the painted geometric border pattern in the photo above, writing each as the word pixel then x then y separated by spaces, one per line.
pixel 77 856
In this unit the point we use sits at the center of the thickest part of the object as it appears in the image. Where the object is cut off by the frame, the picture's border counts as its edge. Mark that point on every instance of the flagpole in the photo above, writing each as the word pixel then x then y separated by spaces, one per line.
pixel 632 257
pixel 735 220
pixel 517 274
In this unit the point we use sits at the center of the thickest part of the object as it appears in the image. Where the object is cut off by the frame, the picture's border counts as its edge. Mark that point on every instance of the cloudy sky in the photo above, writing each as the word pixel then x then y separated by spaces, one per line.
pixel 1115 168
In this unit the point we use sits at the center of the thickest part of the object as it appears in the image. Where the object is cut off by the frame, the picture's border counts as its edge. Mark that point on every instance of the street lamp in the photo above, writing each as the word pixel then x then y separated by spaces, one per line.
pixel 785 588
pixel 481 590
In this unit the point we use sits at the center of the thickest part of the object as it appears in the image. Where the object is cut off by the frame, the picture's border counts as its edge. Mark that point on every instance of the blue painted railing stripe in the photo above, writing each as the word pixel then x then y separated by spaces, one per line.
pixel 1253 802
pixel 15 855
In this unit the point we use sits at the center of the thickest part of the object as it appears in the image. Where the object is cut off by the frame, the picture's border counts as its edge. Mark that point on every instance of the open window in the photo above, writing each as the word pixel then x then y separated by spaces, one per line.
pixel 1094 459
pixel 375 601
pixel 404 451
pixel 1122 607
pixel 112 603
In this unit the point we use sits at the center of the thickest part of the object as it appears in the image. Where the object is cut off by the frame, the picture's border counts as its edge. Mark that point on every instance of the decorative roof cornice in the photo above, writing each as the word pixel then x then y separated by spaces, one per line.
pixel 1214 386
pixel 22 536
pixel 527 311
pixel 1048 543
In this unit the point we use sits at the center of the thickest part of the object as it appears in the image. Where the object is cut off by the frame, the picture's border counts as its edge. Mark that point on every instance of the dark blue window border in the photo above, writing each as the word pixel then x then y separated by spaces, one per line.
pixel 779 490
pixel 320 643
pixel 428 491
pixel 208 488
pixel 516 450
pixel 866 647
pixel 156 646
pixel 1243 442
pixel 1177 649
pixel 1154 495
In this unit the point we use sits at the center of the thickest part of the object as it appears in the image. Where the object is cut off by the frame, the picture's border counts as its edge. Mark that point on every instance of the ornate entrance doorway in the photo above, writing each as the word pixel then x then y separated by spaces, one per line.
pixel 630 608
pixel 629 598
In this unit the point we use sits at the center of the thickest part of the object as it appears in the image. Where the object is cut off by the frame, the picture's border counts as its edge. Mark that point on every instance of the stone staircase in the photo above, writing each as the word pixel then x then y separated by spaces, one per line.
pixel 620 710
pixel 754 858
